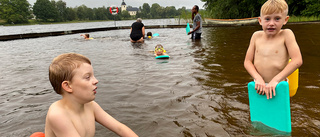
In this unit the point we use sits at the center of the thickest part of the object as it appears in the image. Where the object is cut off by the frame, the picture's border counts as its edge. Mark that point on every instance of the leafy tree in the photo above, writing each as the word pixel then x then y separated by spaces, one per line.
pixel 15 11
pixel 89 14
pixel 101 13
pixel 71 14
pixel 169 12
pixel 44 10
pixel 251 8
pixel 62 10
pixel 81 12
pixel 312 8
pixel 156 11
pixel 184 13
pixel 125 15
pixel 145 11
pixel 296 7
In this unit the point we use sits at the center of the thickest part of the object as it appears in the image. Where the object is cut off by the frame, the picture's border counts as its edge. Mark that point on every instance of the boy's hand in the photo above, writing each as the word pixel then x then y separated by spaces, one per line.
pixel 271 87
pixel 260 86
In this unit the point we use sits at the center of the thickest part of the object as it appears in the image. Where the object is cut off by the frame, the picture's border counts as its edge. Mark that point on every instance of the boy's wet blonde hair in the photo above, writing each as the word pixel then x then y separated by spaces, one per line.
pixel 61 69
pixel 158 46
pixel 274 6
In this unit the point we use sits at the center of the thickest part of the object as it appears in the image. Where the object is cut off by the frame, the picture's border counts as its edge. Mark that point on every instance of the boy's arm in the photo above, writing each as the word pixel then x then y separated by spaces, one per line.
pixel 248 64
pixel 60 124
pixel 109 122
pixel 294 54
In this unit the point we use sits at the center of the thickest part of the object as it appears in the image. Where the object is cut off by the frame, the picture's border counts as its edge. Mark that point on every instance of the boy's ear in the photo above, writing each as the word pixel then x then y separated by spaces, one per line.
pixel 259 19
pixel 66 86
pixel 286 20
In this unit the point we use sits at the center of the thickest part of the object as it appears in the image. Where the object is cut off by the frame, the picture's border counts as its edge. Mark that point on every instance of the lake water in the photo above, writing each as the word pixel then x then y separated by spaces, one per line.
pixel 200 91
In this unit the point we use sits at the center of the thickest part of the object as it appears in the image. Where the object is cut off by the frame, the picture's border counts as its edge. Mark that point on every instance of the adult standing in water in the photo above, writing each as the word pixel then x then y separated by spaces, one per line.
pixel 137 31
pixel 197 23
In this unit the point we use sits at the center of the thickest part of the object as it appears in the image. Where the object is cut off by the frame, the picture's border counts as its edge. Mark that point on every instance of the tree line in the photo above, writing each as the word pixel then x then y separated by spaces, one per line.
pixel 231 9
pixel 20 11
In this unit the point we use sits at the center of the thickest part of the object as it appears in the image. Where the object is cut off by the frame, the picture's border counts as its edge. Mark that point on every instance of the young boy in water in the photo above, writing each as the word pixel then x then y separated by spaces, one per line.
pixel 149 35
pixel 158 50
pixel 86 36
pixel 270 49
pixel 71 76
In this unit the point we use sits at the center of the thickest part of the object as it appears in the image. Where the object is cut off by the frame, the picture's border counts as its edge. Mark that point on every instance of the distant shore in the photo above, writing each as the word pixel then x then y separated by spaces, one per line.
pixel 238 22
pixel 206 23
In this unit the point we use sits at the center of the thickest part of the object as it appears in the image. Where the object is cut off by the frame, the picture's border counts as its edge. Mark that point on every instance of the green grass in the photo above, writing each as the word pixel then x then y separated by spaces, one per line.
pixel 303 19
pixel 2 22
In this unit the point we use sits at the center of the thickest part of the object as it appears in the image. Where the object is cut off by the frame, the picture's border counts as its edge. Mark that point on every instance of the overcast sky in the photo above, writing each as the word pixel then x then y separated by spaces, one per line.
pixel 134 3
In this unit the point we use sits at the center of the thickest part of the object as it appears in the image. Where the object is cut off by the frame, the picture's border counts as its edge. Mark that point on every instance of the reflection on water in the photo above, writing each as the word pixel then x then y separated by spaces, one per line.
pixel 200 91
pixel 264 130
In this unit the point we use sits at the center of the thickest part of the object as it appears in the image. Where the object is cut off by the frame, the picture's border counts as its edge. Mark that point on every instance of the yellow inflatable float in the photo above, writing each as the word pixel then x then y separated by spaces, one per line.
pixel 293 82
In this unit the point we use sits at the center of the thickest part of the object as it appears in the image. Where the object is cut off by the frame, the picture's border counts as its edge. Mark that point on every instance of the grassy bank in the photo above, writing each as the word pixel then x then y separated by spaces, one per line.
pixel 303 19
pixel 2 22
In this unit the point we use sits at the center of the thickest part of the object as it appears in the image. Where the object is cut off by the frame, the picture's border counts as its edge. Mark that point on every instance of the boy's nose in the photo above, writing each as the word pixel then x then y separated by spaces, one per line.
pixel 95 81
pixel 271 22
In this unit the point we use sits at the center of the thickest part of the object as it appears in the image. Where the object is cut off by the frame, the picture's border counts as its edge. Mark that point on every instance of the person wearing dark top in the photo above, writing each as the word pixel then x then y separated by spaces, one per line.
pixel 137 31
pixel 197 23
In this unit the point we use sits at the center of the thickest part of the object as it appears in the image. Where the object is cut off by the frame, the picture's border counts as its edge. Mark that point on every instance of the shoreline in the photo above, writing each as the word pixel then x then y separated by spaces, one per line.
pixel 207 23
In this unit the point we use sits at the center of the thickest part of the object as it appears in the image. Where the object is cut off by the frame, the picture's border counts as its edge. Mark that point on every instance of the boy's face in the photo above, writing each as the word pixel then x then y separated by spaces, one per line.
pixel 159 52
pixel 272 23
pixel 83 83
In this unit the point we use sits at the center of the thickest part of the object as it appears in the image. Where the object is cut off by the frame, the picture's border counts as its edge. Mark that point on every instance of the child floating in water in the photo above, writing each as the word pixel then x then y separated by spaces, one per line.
pixel 86 36
pixel 158 50
pixel 149 35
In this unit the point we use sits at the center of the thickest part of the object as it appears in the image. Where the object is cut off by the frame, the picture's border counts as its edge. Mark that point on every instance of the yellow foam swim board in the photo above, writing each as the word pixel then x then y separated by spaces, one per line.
pixel 293 82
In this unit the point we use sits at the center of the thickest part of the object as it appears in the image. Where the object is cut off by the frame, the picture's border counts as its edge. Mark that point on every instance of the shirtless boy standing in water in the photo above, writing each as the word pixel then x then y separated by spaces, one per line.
pixel 71 75
pixel 271 48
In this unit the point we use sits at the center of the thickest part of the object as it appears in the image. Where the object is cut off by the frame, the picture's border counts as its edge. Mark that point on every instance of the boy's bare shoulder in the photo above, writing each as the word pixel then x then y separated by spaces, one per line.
pixel 56 112
pixel 287 31
pixel 257 34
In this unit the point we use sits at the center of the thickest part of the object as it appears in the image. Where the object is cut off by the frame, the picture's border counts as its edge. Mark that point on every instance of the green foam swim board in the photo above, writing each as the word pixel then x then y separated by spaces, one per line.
pixel 188 28
pixel 273 112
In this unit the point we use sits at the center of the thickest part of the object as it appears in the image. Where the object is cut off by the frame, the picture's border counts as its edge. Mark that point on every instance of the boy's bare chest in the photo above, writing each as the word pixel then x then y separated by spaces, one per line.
pixel 274 47
pixel 85 124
